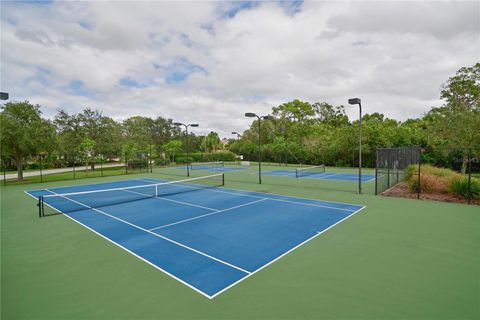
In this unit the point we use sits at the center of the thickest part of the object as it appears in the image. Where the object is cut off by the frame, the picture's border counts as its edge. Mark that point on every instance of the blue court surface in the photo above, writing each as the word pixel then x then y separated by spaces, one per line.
pixel 322 175
pixel 209 239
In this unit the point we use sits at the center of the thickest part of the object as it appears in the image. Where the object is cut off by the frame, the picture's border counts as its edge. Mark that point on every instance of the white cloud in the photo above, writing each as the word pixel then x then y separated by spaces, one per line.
pixel 393 55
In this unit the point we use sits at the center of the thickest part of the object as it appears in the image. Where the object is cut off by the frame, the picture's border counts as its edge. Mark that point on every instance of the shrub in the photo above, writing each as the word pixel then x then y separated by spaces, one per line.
pixel 435 171
pixel 429 184
pixel 411 171
pixel 459 186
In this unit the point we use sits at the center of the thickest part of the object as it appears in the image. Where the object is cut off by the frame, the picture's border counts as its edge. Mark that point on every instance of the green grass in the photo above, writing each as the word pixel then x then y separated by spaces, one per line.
pixel 396 259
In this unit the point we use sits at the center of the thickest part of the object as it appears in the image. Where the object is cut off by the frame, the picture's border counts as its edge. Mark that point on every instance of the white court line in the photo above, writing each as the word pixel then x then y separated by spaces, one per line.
pixel 155 234
pixel 285 253
pixel 235 192
pixel 207 214
pixel 176 201
pixel 131 252
pixel 273 199
pixel 233 284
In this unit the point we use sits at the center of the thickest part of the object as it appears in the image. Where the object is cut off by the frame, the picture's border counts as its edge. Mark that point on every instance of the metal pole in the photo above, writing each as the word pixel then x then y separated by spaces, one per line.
pixel 74 168
pixel 376 172
pixel 388 168
pixel 150 159
pixel 101 165
pixel 41 173
pixel 186 149
pixel 259 153
pixel 419 172
pixel 360 153
pixel 4 172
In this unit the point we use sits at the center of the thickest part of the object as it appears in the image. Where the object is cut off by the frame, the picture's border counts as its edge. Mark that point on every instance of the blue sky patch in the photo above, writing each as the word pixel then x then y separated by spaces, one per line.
pixel 179 70
pixel 129 82
pixel 77 87
pixel 232 8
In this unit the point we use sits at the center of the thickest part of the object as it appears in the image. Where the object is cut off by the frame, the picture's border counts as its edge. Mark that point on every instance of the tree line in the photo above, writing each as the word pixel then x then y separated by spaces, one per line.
pixel 320 133
pixel 300 133
pixel 88 136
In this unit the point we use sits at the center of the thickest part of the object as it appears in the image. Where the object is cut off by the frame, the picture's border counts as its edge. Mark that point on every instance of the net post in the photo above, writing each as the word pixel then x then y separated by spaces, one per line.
pixel 223 179
pixel 40 206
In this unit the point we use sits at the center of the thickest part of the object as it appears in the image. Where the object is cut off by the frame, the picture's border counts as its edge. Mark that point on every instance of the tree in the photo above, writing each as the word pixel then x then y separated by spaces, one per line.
pixel 24 133
pixel 295 110
pixel 87 148
pixel 211 142
pixel 458 121
pixel 73 129
pixel 172 148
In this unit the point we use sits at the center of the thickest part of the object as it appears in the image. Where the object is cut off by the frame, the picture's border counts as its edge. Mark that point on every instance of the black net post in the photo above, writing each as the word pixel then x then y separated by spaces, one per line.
pixel 40 206
pixel 223 179
pixel 469 175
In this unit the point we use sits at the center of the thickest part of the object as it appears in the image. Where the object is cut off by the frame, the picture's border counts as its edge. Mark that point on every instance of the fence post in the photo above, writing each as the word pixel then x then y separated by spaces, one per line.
pixel 101 165
pixel 469 175
pixel 419 172
pixel 376 172
pixel 74 168
pixel 4 172
pixel 41 173
pixel 388 168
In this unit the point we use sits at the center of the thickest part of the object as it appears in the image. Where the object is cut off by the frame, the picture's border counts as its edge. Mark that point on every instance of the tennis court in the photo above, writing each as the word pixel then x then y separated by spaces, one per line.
pixel 204 235
pixel 321 175
pixel 213 166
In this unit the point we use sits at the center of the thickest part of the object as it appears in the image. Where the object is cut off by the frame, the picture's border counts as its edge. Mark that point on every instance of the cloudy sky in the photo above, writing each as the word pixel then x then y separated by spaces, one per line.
pixel 210 62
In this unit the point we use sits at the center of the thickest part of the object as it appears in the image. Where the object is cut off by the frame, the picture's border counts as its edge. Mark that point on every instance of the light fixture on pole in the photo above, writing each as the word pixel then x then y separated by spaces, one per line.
pixel 178 124
pixel 358 101
pixel 267 117
pixel 238 134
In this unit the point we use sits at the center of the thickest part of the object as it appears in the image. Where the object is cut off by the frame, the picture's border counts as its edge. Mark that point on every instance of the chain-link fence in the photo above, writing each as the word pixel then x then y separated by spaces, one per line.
pixel 55 167
pixel 443 174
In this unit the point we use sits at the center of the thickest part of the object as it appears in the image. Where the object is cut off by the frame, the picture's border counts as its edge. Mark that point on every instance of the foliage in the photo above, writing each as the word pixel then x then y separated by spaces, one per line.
pixel 24 132
pixel 460 186
pixel 172 148
pixel 441 180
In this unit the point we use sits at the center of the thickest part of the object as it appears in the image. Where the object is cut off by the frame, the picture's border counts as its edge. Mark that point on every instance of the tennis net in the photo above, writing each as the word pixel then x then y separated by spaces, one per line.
pixel 309 171
pixel 207 165
pixel 84 200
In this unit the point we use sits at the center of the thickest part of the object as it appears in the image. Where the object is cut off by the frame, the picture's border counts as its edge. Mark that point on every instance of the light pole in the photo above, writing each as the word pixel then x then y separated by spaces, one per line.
pixel 284 132
pixel 238 134
pixel 186 140
pixel 267 117
pixel 358 101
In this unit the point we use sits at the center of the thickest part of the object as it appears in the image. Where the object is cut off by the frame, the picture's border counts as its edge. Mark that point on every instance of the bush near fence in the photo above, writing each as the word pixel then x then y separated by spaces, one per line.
pixel 441 180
